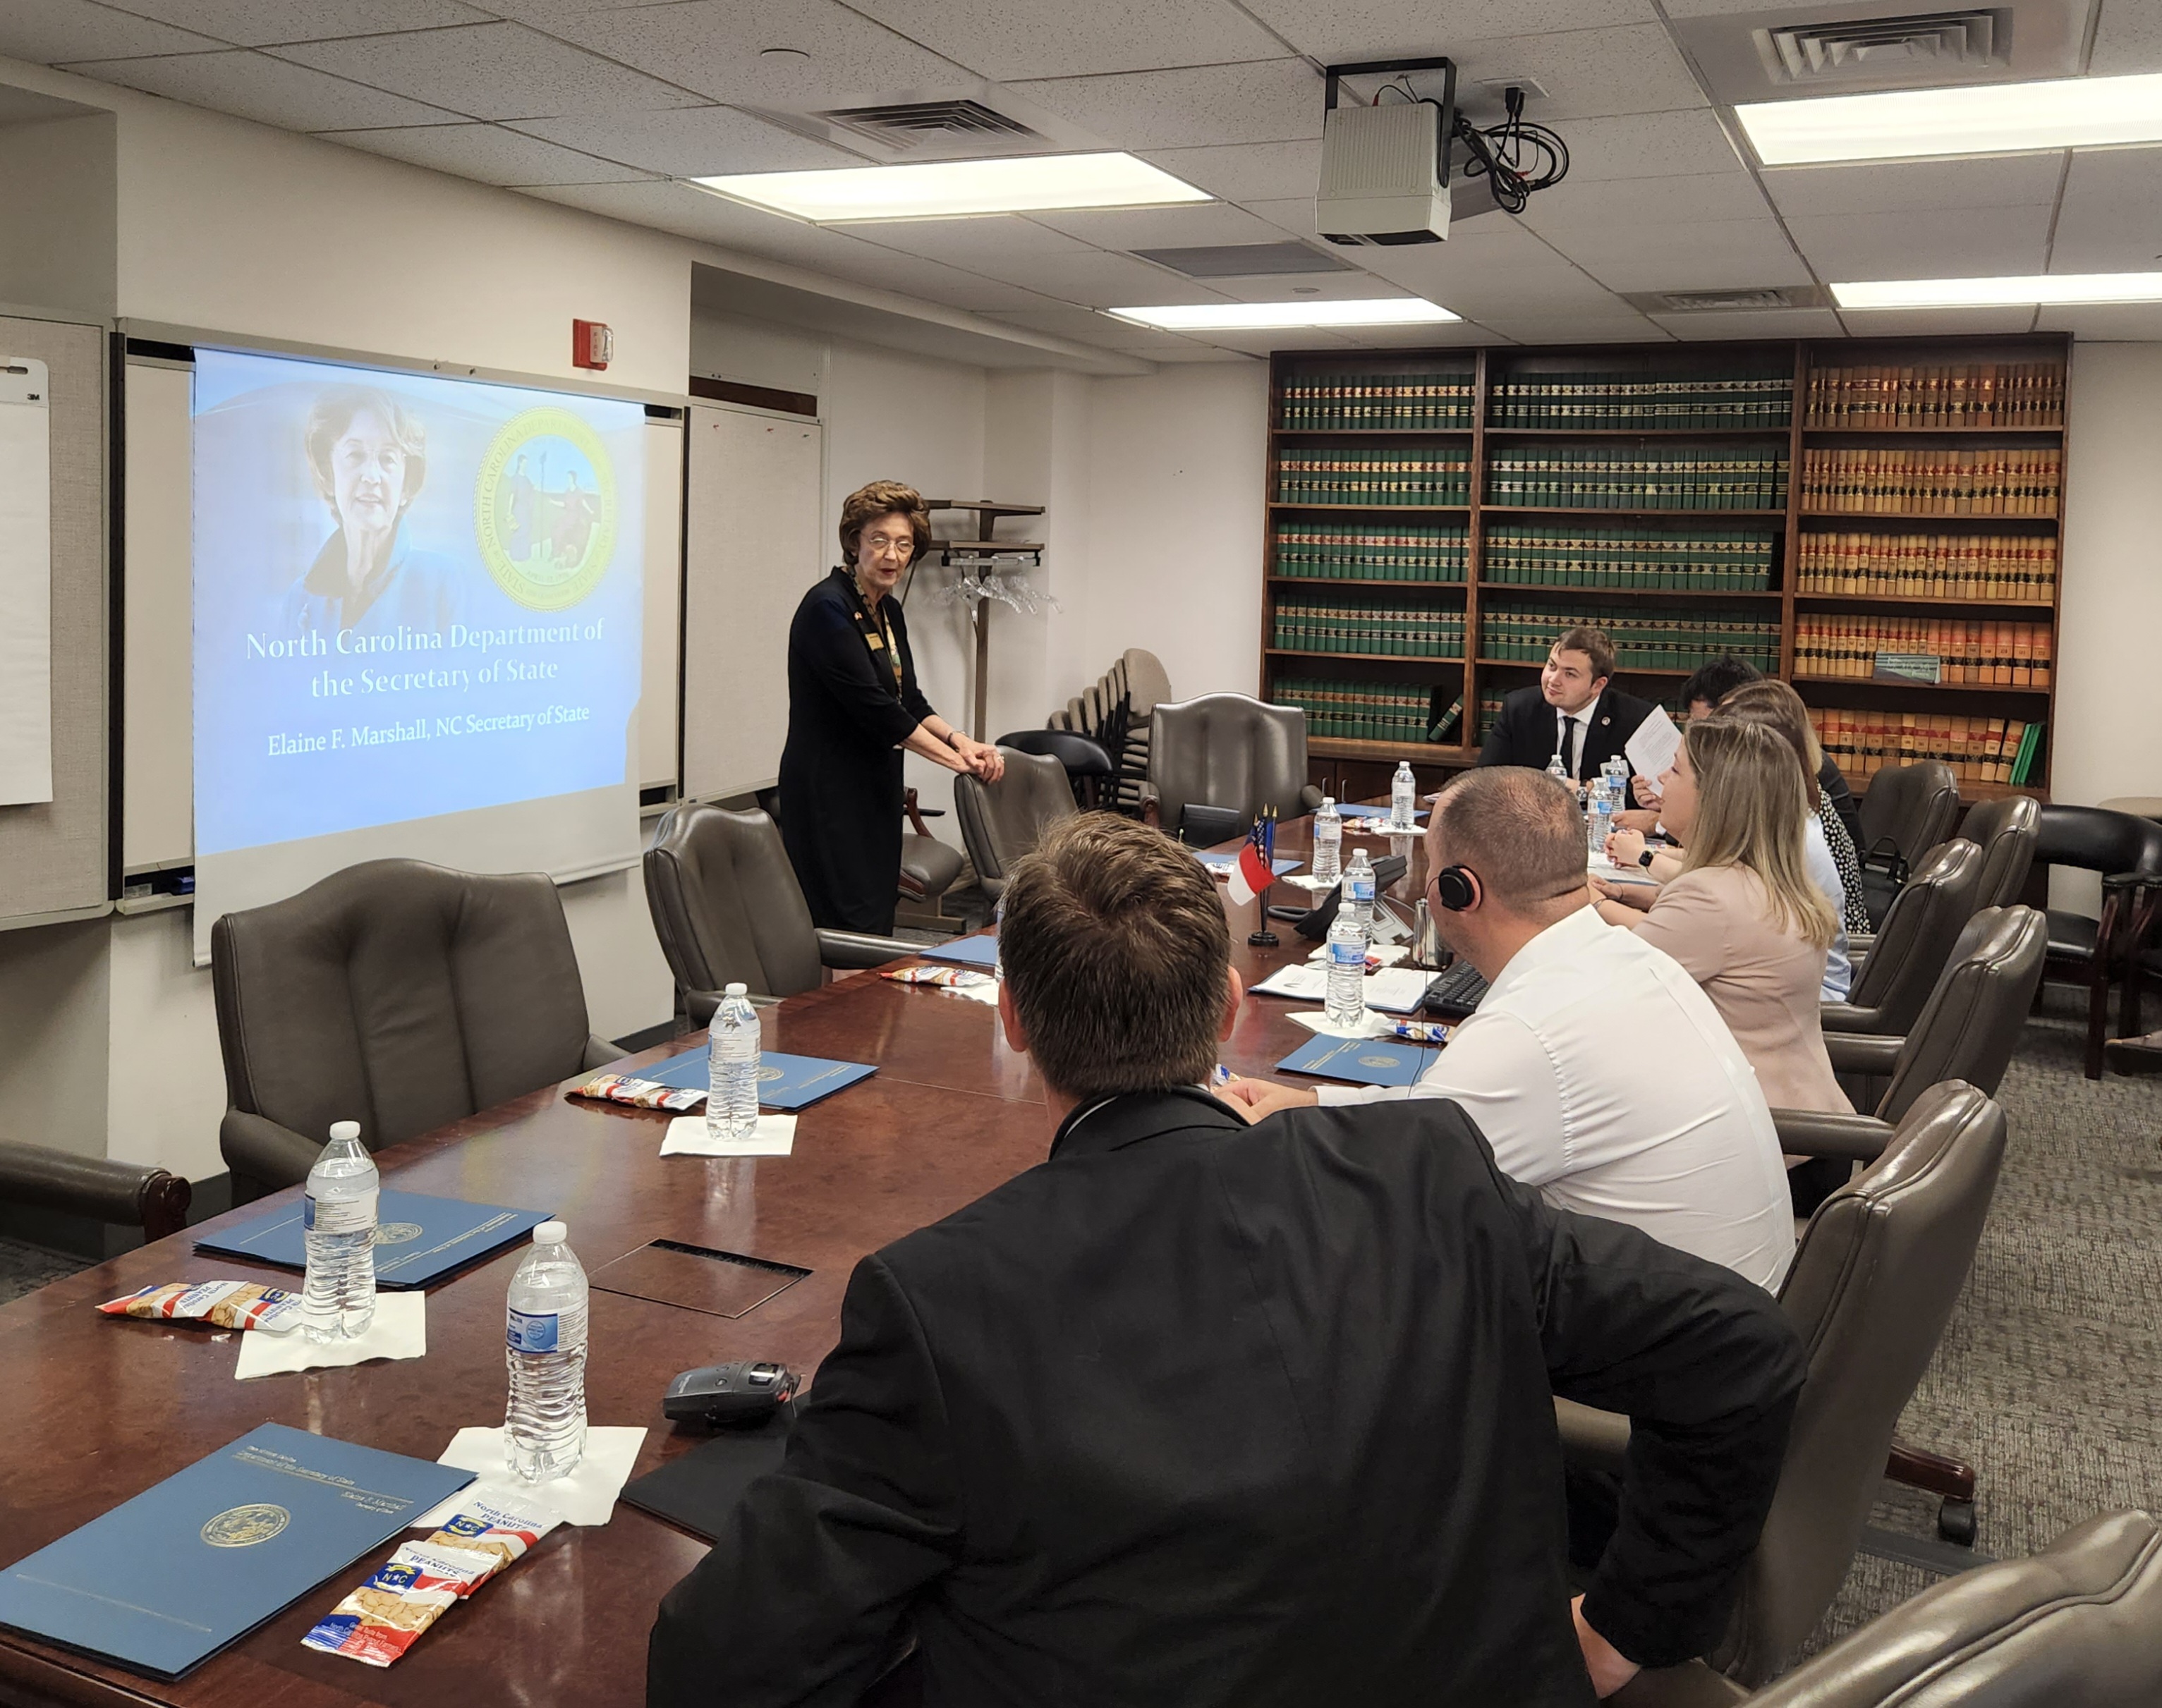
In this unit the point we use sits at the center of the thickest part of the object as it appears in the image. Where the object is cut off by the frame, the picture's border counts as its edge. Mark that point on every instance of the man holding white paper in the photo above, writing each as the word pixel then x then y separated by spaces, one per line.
pixel 1573 714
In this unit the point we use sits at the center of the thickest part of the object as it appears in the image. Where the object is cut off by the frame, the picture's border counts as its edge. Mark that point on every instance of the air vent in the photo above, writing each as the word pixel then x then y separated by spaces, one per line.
pixel 1243 260
pixel 1927 44
pixel 1694 302
pixel 908 125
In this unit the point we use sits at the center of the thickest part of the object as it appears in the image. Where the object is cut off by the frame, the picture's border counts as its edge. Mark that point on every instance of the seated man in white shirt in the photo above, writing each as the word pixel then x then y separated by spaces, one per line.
pixel 1597 1069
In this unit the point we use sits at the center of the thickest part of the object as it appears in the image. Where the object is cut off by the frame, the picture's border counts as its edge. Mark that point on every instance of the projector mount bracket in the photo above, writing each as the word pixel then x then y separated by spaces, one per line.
pixel 1497 154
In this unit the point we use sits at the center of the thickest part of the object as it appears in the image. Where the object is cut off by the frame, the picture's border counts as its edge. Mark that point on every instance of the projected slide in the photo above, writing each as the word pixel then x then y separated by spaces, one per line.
pixel 412 596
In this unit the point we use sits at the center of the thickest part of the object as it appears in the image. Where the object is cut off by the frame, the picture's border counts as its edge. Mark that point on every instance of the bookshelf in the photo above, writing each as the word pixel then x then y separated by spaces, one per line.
pixel 1436 518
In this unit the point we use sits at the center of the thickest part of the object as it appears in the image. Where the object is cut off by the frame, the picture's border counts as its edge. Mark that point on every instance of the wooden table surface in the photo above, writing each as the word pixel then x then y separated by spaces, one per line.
pixel 94 1410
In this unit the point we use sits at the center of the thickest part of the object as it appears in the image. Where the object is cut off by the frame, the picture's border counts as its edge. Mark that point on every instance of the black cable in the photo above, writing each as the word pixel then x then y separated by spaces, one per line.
pixel 1518 158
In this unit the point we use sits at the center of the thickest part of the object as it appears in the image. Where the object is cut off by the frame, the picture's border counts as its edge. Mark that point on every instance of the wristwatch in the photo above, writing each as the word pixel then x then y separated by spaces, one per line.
pixel 1644 859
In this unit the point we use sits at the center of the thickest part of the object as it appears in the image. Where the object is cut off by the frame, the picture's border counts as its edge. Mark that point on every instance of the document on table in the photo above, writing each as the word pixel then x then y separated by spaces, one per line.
pixel 1653 748
pixel 1395 990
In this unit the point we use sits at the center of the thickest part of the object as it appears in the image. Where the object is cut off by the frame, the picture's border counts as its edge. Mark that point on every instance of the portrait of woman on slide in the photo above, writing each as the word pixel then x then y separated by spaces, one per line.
pixel 369 456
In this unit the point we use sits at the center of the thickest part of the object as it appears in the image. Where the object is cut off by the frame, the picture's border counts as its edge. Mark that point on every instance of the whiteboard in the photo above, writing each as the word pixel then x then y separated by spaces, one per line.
pixel 26 581
pixel 755 540
pixel 158 740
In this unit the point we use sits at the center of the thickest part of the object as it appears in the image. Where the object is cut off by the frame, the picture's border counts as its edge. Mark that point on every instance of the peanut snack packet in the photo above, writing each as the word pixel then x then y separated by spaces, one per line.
pixel 1422 1031
pixel 402 1597
pixel 944 978
pixel 481 1526
pixel 646 1094
pixel 225 1305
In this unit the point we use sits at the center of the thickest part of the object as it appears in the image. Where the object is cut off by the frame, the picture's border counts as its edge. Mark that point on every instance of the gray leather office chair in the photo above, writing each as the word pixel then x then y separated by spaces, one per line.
pixel 124 1194
pixel 394 993
pixel 2077 1625
pixel 728 910
pixel 2127 851
pixel 1873 1283
pixel 928 867
pixel 1907 811
pixel 2005 831
pixel 1226 750
pixel 1919 929
pixel 1001 821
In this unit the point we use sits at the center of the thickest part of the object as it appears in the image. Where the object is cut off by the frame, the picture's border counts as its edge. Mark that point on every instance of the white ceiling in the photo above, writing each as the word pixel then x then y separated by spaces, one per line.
pixel 606 106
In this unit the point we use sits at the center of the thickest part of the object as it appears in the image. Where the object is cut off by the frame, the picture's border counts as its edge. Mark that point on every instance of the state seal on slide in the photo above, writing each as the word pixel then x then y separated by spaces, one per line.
pixel 545 508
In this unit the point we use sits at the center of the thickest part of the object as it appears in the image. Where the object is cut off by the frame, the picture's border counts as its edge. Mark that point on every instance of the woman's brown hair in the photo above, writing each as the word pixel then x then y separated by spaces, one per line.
pixel 866 504
pixel 1777 707
pixel 1749 813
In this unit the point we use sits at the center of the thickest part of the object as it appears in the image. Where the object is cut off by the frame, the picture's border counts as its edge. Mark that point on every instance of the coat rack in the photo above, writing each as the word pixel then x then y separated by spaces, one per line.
pixel 980 583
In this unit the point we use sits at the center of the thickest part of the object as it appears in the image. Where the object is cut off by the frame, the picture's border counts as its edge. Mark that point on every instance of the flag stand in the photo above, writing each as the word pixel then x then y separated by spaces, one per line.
pixel 1265 937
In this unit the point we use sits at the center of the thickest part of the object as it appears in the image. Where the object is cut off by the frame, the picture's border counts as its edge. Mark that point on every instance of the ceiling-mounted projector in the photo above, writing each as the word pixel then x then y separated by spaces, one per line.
pixel 1385 167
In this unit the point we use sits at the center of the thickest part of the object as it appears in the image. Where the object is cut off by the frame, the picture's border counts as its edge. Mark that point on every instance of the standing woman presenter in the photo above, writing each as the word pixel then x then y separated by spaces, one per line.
pixel 853 707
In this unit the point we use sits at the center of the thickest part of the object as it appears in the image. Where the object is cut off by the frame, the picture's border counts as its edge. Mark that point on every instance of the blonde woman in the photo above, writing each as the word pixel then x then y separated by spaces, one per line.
pixel 1741 916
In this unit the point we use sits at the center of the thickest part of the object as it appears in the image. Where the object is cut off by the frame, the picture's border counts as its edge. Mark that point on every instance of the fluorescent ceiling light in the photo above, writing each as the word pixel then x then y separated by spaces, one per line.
pixel 1267 317
pixel 1986 119
pixel 945 189
pixel 2050 288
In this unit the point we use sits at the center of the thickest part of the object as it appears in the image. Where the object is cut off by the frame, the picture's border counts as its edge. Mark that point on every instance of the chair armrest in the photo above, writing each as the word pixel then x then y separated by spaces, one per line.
pixel 263 1152
pixel 699 1005
pixel 2133 880
pixel 857 949
pixel 599 1052
pixel 1845 1017
pixel 1864 1052
pixel 1859 943
pixel 1309 797
pixel 1591 1439
pixel 1811 1133
pixel 126 1195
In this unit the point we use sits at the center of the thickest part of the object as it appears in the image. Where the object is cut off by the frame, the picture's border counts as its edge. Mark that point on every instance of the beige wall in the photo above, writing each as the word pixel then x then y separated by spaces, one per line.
pixel 59 182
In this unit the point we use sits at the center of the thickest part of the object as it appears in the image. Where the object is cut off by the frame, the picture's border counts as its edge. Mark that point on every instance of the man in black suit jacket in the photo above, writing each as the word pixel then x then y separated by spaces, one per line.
pixel 1202 1414
pixel 1573 712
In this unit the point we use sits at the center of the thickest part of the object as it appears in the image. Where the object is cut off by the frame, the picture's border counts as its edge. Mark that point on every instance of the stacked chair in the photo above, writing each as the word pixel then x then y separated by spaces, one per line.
pixel 1117 713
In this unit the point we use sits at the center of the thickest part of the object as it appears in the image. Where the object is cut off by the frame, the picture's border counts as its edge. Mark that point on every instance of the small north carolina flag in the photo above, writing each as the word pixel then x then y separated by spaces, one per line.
pixel 1254 872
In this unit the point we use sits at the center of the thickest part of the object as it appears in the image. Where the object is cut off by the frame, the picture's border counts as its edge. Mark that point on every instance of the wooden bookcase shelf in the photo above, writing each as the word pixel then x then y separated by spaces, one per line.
pixel 1961 382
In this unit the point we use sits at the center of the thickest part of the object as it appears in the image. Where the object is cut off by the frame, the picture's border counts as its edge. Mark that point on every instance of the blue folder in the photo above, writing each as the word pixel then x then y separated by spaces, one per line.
pixel 1373 812
pixel 784 1081
pixel 968 951
pixel 164 1581
pixel 1364 1061
pixel 418 1239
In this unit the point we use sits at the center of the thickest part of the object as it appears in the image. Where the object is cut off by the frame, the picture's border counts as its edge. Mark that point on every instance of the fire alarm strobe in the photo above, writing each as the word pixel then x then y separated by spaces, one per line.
pixel 592 344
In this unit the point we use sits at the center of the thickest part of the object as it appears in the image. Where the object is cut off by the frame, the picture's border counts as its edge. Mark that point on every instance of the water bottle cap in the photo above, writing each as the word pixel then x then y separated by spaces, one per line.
pixel 736 991
pixel 1327 802
pixel 551 1233
pixel 344 1129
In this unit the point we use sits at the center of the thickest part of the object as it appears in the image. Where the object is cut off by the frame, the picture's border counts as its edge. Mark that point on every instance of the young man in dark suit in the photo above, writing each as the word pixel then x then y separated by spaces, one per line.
pixel 1575 711
pixel 1222 1416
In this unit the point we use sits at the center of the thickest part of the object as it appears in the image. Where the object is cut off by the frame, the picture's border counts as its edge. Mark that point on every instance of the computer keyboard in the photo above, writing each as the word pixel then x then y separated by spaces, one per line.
pixel 1455 992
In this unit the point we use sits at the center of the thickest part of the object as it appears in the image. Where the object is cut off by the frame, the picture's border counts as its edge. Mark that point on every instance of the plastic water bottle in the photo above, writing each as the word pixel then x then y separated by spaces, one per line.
pixel 544 1425
pixel 338 1218
pixel 1598 819
pixel 1558 771
pixel 1328 842
pixel 732 1067
pixel 1347 970
pixel 1358 899
pixel 1403 798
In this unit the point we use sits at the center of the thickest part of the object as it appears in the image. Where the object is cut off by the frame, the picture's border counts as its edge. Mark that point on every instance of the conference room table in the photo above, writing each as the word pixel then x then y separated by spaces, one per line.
pixel 94 1410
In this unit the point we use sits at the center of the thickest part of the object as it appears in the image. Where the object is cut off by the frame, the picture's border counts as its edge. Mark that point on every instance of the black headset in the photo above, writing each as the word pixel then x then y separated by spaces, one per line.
pixel 1457 887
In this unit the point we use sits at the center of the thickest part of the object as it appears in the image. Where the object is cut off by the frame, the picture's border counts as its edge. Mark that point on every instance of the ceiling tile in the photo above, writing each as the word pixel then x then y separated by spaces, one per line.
pixel 1163 227
pixel 1091 278
pixel 1087 325
pixel 690 142
pixel 1269 100
pixel 709 219
pixel 713 46
pixel 1648 145
pixel 1290 338
pixel 271 91
pixel 1295 215
pixel 1492 266
pixel 1596 329
pixel 1711 255
pixel 1752 323
pixel 1586 73
pixel 487 153
pixel 1943 243
pixel 1010 40
pixel 1901 186
pixel 1575 204
pixel 1245 172
pixel 490 70
pixel 2111 218
pixel 60 32
pixel 2118 323
pixel 260 22
pixel 1339 30
pixel 1193 352
pixel 1356 284
pixel 968 242
pixel 1450 335
pixel 2128 40
pixel 1935 323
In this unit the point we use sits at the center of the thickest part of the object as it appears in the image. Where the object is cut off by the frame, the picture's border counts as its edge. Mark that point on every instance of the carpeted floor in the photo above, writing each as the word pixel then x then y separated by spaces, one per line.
pixel 2049 1377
